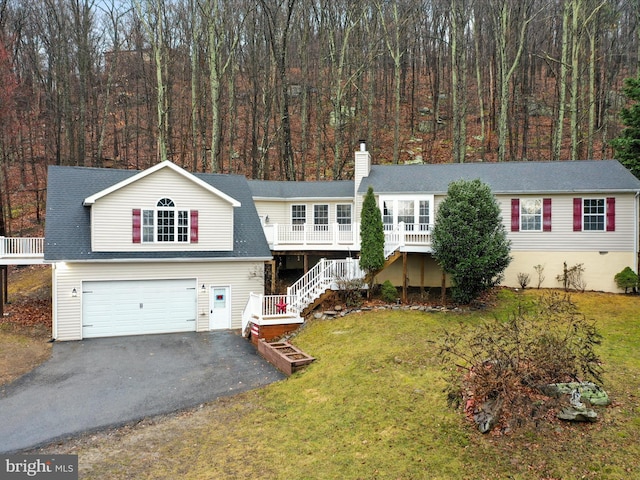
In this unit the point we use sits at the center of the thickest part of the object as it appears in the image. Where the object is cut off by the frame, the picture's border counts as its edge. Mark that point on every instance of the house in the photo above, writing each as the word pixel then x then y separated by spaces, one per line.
pixel 578 212
pixel 164 250
pixel 157 251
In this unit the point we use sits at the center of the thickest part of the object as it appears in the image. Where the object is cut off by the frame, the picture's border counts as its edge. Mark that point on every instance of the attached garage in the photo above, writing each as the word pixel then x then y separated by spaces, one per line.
pixel 138 307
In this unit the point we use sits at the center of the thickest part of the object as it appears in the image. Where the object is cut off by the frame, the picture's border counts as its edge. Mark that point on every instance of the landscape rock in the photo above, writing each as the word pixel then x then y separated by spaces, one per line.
pixel 577 414
pixel 487 416
pixel 587 390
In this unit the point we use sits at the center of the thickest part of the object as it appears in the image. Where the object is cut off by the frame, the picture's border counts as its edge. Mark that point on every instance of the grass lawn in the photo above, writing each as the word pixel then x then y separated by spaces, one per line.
pixel 372 407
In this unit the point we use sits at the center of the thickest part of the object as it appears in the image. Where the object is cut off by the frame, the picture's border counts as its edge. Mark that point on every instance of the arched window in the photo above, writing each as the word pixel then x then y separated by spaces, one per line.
pixel 166 223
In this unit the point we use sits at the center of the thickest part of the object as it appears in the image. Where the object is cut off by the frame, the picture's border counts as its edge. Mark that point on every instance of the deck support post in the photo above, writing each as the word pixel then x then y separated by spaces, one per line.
pixel 423 258
pixel 273 276
pixel 404 277
pixel 3 289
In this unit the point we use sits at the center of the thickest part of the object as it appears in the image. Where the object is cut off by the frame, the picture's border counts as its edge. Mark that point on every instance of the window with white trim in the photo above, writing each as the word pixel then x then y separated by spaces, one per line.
pixel 298 216
pixel 416 212
pixel 321 218
pixel 531 214
pixel 343 216
pixel 593 214
pixel 424 215
pixel 406 213
pixel 387 214
pixel 148 226
pixel 165 224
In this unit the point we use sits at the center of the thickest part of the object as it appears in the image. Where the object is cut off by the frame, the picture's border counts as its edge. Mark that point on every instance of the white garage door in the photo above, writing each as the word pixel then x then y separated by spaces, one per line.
pixel 137 307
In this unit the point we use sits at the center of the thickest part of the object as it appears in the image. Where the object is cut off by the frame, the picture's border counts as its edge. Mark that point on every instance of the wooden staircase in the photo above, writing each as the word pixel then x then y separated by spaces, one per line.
pixel 306 293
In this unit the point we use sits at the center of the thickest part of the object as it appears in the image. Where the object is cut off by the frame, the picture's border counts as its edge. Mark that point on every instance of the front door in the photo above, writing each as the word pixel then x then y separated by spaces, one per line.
pixel 220 308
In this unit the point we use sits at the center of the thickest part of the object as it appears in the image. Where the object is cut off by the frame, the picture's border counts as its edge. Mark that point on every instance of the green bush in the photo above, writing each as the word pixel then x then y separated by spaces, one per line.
pixel 626 279
pixel 389 293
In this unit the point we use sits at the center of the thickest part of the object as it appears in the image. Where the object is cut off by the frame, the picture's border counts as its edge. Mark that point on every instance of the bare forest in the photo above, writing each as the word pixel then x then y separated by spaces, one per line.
pixel 285 89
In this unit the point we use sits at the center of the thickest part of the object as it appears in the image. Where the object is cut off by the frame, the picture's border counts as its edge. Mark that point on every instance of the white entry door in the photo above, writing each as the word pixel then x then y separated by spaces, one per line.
pixel 219 308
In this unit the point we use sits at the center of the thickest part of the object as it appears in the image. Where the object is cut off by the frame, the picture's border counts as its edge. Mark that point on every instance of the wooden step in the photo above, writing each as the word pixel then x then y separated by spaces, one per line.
pixel 309 308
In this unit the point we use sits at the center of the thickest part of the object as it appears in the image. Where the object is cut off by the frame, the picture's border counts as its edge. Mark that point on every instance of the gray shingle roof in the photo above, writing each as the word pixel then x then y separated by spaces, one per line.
pixel 67 228
pixel 293 190
pixel 507 177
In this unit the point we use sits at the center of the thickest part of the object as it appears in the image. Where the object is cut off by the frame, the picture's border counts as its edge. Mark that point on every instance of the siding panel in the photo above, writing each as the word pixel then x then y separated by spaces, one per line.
pixel 563 238
pixel 243 277
pixel 111 215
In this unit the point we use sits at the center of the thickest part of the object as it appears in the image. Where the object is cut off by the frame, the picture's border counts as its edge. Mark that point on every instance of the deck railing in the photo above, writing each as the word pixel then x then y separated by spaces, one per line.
pixel 311 235
pixel 286 308
pixel 344 237
pixel 324 275
pixel 23 247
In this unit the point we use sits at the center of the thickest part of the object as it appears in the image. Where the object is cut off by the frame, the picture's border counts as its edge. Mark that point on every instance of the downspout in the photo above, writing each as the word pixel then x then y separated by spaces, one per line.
pixel 635 232
pixel 54 298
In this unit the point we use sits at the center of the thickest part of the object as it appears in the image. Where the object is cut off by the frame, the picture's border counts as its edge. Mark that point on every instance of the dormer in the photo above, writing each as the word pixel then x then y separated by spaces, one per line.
pixel 164 208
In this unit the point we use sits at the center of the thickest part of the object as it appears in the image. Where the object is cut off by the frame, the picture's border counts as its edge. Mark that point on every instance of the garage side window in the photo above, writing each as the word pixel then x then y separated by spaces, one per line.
pixel 165 224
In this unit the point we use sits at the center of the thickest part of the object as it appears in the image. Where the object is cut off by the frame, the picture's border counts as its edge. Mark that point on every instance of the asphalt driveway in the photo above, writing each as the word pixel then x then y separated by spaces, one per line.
pixel 98 383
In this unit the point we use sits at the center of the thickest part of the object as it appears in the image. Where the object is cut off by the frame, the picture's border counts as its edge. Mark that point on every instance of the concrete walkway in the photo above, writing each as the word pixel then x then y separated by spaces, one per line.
pixel 98 383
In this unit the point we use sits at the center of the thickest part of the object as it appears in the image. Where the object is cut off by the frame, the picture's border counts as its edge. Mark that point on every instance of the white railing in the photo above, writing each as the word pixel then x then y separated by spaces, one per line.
pixel 310 235
pixel 286 308
pixel 406 235
pixel 21 247
pixel 326 274
pixel 342 237
pixel 263 309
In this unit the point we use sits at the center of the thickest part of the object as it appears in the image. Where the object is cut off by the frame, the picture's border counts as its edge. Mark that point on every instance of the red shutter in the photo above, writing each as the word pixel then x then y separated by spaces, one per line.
pixel 193 226
pixel 577 214
pixel 546 214
pixel 515 215
pixel 136 225
pixel 611 214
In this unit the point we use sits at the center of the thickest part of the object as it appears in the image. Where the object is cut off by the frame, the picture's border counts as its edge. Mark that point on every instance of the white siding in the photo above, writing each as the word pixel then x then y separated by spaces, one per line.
pixel 279 211
pixel 243 277
pixel 562 238
pixel 111 216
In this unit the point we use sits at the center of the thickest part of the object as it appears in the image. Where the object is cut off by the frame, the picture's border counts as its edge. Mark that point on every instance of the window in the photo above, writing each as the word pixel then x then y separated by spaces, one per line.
pixel 148 226
pixel 165 223
pixel 423 215
pixel 594 214
pixel 298 216
pixel 405 213
pixel 183 226
pixel 387 214
pixel 416 213
pixel 343 216
pixel 531 215
pixel 321 217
